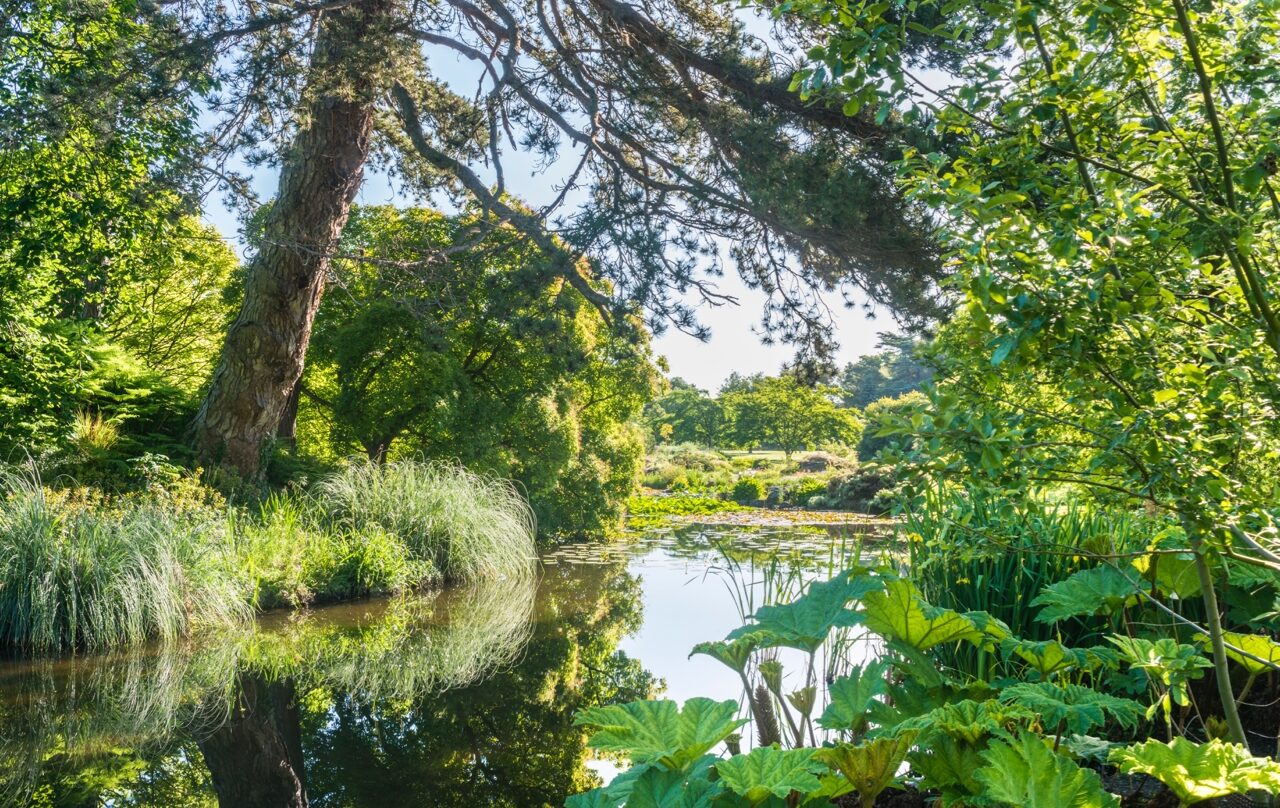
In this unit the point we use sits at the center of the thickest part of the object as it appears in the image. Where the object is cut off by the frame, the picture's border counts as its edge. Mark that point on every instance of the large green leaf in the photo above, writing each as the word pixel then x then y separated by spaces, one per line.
pixel 1027 774
pixel 967 721
pixel 1200 771
pixel 668 788
pixel 734 654
pixel 1101 590
pixel 898 613
pixel 769 771
pixel 1046 657
pixel 1170 573
pixel 658 731
pixel 595 798
pixel 869 767
pixel 805 622
pixel 1257 646
pixel 1075 708
pixel 947 766
pixel 849 697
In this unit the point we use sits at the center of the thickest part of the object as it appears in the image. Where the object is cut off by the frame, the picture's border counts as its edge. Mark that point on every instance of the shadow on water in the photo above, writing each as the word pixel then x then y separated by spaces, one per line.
pixel 464 697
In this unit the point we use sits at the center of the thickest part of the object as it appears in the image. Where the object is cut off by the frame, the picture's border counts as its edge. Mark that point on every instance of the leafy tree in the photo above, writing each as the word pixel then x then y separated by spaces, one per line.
pixel 91 150
pixel 685 415
pixel 490 358
pixel 1113 219
pixel 890 373
pixel 783 412
pixel 888 412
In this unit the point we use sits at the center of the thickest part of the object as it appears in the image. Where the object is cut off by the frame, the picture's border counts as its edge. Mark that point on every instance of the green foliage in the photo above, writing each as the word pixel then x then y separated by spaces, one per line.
pixel 890 413
pixel 870 767
pixel 805 622
pixel 491 360
pixel 685 414
pixel 782 411
pixel 95 575
pixel 1024 772
pixel 660 731
pixel 1101 590
pixel 679 506
pixel 1197 772
pixel 768 770
pixel 899 614
pixel 468 526
pixel 852 695
pixel 893 373
pixel 1073 708
pixel 748 489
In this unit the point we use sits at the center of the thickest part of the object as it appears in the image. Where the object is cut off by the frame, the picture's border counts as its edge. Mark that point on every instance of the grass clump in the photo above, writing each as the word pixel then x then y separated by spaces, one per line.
pixel 469 526
pixel 93 575
pixel 83 570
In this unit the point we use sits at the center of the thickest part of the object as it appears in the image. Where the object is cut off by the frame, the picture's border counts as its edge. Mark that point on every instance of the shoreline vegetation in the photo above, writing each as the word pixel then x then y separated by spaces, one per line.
pixel 81 570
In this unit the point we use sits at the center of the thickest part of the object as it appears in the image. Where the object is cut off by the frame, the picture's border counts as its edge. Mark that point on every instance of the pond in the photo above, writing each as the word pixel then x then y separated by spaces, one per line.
pixel 463 697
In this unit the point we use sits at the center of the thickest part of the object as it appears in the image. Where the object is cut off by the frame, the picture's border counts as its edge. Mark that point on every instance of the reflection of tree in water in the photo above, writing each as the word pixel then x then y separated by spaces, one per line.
pixel 392 707
pixel 506 741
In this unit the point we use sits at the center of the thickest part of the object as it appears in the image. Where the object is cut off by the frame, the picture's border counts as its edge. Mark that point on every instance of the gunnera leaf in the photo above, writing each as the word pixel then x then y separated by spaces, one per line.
pixel 1027 774
pixel 849 697
pixel 805 622
pixel 658 731
pixel 899 613
pixel 1076 708
pixel 1199 771
pixel 734 654
pixel 770 771
pixel 666 788
pixel 1101 590
pixel 870 767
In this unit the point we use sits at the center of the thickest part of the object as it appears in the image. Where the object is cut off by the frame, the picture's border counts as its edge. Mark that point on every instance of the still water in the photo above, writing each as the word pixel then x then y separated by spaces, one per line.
pixel 464 697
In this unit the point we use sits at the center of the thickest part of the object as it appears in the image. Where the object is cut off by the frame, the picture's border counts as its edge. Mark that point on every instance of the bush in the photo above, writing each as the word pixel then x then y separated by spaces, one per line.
pixel 870 489
pixel 748 489
pixel 801 490
pixel 90 574
pixel 467 525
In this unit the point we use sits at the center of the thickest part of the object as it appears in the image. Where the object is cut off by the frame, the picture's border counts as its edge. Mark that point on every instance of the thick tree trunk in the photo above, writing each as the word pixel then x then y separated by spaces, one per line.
pixel 255 758
pixel 262 358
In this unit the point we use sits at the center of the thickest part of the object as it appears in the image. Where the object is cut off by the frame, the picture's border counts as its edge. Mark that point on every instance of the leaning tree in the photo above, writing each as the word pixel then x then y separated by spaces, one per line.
pixel 669 132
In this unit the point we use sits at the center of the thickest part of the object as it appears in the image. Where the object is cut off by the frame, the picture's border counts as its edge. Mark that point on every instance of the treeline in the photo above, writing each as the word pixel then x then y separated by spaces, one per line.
pixel 790 413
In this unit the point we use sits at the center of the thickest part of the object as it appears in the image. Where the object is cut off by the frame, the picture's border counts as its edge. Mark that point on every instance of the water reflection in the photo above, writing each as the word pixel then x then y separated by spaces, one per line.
pixel 460 698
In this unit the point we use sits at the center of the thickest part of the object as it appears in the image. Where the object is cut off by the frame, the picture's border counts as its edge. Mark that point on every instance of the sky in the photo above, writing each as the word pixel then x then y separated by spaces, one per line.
pixel 735 344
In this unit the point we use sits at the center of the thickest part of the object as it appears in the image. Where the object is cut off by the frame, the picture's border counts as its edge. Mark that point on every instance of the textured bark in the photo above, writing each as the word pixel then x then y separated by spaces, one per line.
pixel 255 758
pixel 263 356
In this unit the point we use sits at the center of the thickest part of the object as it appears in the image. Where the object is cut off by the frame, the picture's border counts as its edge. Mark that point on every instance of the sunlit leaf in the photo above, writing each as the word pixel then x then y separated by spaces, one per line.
pixel 658 731
pixel 1102 590
pixel 734 654
pixel 805 622
pixel 898 613
pixel 1027 774
pixel 869 767
pixel 769 771
pixel 1199 771
pixel 668 788
pixel 1075 708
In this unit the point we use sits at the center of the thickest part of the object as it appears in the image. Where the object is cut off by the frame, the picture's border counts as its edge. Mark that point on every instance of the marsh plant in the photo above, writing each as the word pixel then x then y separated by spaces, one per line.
pixel 903 719
pixel 80 570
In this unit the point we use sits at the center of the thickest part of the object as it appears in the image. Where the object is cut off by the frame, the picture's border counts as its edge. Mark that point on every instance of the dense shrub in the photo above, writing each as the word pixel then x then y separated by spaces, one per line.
pixel 869 489
pixel 748 489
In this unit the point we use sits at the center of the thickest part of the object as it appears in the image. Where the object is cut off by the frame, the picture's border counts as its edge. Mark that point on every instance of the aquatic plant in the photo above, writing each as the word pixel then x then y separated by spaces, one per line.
pixel 468 525
pixel 95 575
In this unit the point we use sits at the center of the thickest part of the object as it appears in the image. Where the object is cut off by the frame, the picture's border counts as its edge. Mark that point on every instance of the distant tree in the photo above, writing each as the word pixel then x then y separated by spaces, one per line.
pixel 686 414
pixel 783 412
pixel 893 371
